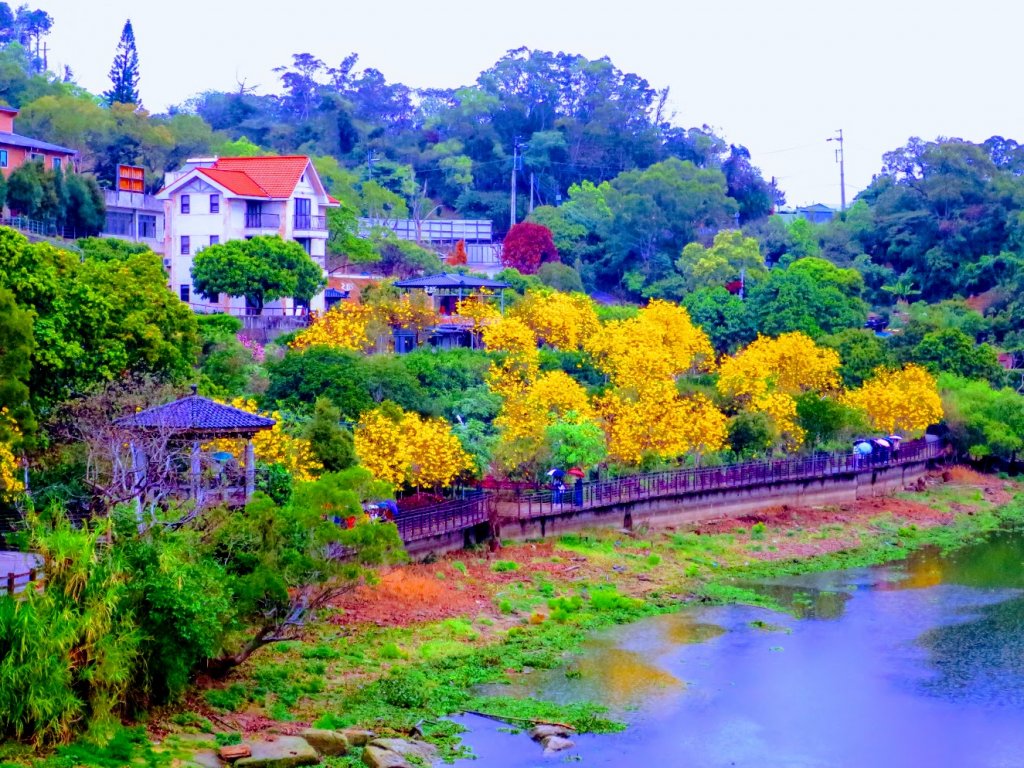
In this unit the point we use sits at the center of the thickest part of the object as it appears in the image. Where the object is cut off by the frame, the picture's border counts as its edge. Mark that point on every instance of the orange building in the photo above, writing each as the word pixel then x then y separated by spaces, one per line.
pixel 16 150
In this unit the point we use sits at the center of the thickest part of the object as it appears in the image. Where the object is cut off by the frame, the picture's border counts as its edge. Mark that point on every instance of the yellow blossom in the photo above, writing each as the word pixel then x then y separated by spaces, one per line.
pixel 903 401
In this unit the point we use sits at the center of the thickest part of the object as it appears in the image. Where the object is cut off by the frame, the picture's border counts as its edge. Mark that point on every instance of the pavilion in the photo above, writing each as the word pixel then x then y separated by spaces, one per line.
pixel 188 423
pixel 446 289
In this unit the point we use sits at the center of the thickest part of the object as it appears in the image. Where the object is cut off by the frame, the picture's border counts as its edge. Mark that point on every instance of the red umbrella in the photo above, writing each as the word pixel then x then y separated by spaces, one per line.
pixel 577 472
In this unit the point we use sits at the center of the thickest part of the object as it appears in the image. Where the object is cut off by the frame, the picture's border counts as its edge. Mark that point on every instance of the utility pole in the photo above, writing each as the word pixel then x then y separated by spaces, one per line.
pixel 515 167
pixel 842 170
pixel 531 191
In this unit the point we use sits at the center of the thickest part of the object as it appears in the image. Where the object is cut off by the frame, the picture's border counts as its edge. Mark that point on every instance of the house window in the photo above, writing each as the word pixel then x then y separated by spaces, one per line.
pixel 185 292
pixel 214 298
pixel 306 243
pixel 214 203
pixel 214 239
pixel 185 245
pixel 56 163
pixel 3 158
pixel 118 223
pixel 147 226
pixel 186 204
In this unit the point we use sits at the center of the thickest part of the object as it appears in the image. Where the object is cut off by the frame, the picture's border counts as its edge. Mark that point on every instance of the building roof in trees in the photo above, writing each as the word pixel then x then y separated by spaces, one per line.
pixel 198 416
pixel 17 140
pixel 276 176
pixel 270 178
pixel 236 181
pixel 446 280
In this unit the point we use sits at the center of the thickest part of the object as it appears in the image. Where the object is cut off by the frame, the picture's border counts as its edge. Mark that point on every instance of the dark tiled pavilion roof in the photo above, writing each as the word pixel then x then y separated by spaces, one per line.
pixel 446 280
pixel 198 416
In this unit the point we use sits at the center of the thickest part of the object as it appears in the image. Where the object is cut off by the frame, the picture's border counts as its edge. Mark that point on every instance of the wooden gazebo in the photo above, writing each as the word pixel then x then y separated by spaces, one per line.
pixel 189 422
pixel 447 288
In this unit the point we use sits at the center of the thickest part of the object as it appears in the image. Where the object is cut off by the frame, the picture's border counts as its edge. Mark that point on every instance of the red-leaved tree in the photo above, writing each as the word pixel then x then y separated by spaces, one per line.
pixel 458 254
pixel 526 246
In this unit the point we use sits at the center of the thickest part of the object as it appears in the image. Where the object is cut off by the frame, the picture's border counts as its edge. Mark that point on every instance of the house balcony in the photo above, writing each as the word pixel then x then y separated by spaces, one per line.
pixel 262 221
pixel 305 222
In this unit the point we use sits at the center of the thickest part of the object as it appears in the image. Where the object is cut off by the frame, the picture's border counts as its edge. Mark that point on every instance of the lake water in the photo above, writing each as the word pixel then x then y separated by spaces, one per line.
pixel 916 664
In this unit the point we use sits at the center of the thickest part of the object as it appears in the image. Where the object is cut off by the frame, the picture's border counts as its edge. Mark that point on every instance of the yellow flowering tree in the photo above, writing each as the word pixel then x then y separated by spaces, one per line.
pixel 659 423
pixel 520 360
pixel 560 320
pixel 273 446
pixel 380 445
pixel 478 309
pixel 344 326
pixel 11 484
pixel 660 343
pixel 405 448
pixel 769 373
pixel 901 401
pixel 525 416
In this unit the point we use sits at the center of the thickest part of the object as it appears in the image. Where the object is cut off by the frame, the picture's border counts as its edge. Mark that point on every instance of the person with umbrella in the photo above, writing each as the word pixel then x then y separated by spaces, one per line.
pixel 557 486
pixel 577 491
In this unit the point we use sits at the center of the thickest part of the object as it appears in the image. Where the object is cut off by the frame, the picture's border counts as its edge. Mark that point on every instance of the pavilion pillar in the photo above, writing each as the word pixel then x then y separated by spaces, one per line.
pixel 195 474
pixel 250 470
pixel 139 470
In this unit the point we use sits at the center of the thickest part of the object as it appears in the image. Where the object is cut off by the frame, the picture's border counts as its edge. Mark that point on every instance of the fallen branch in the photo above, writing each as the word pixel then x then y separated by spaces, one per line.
pixel 510 719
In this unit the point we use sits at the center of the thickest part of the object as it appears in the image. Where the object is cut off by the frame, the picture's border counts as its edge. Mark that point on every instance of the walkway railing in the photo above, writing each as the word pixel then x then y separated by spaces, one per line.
pixel 443 518
pixel 732 476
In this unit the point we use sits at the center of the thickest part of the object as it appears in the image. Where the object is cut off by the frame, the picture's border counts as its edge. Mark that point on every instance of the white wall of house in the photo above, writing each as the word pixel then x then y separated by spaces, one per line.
pixel 198 225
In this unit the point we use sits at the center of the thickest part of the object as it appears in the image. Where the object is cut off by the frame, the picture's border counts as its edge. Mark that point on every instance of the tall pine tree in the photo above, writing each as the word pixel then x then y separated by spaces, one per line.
pixel 124 72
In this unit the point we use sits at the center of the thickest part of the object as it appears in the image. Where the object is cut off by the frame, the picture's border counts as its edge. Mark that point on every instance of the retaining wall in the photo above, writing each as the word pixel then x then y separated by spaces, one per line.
pixel 697 506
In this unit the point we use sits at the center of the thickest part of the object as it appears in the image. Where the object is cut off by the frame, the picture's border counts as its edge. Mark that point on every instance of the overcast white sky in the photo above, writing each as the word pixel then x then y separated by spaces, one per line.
pixel 778 77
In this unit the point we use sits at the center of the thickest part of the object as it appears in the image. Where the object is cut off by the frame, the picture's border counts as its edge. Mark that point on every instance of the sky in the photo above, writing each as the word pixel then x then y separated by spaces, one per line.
pixel 778 77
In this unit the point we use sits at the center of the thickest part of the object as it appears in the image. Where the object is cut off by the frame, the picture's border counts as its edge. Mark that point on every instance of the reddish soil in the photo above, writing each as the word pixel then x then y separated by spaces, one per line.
pixel 812 519
pixel 415 593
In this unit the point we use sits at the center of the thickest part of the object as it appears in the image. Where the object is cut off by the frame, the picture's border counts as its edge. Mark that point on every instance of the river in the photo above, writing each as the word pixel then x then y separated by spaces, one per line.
pixel 919 663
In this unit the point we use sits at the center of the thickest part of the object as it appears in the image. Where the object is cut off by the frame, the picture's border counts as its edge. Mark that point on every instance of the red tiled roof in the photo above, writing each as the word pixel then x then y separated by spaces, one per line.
pixel 275 176
pixel 238 182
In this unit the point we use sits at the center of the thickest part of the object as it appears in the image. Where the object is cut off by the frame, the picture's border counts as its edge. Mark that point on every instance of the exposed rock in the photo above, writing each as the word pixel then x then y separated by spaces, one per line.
pixel 356 737
pixel 327 743
pixel 233 752
pixel 378 757
pixel 424 751
pixel 544 730
pixel 284 752
pixel 556 744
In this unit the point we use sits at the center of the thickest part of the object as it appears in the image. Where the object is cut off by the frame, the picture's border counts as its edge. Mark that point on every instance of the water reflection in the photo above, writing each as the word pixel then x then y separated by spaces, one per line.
pixel 919 663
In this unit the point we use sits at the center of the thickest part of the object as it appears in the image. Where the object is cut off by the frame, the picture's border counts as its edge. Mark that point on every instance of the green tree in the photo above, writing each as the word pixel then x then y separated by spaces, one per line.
pixel 560 276
pixel 828 422
pixel 861 352
pixel 25 190
pixel 952 351
pixel 730 256
pixel 95 319
pixel 751 433
pixel 655 212
pixel 725 318
pixel 261 269
pixel 16 348
pixel 573 443
pixel 344 239
pixel 331 443
pixel 812 296
pixel 124 72
pixel 983 422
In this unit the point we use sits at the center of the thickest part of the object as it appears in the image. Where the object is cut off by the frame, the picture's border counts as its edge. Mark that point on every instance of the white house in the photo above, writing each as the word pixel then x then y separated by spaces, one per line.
pixel 213 200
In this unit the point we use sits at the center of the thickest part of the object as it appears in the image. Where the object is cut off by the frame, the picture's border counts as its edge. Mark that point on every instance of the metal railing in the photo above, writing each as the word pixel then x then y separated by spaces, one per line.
pixel 306 221
pixel 442 518
pixel 731 476
pixel 262 220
